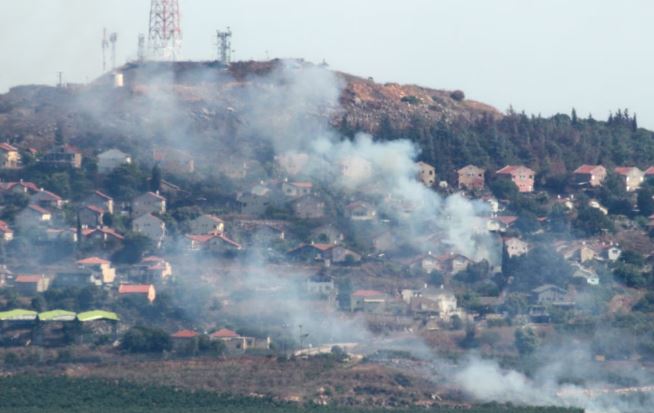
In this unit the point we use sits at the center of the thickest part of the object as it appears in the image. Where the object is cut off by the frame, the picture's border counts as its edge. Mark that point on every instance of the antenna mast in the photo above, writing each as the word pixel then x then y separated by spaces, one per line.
pixel 105 46
pixel 225 46
pixel 165 36
pixel 113 38
pixel 141 48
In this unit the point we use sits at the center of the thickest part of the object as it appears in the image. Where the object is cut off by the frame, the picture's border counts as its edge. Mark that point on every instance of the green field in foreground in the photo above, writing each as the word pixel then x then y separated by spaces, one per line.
pixel 27 394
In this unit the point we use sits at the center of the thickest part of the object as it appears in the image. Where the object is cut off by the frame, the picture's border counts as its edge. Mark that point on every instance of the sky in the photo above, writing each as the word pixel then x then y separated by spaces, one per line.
pixel 540 56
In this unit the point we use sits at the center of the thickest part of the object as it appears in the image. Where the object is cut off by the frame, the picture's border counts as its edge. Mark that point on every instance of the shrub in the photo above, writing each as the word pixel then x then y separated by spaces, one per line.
pixel 412 100
pixel 458 95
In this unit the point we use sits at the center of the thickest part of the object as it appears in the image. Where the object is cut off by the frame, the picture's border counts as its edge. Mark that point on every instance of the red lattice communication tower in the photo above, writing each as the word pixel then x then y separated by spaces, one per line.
pixel 165 38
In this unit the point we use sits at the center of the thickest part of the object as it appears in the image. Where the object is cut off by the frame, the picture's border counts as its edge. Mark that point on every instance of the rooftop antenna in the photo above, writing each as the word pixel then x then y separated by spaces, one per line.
pixel 113 38
pixel 165 35
pixel 225 46
pixel 141 48
pixel 60 76
pixel 105 46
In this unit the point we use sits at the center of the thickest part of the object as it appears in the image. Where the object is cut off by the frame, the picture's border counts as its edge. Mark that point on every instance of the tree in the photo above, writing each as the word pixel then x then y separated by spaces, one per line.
pixel 526 341
pixel 574 116
pixel 646 201
pixel 59 134
pixel 155 178
pixel 134 246
pixel 592 221
pixel 515 304
pixel 504 189
pixel 140 339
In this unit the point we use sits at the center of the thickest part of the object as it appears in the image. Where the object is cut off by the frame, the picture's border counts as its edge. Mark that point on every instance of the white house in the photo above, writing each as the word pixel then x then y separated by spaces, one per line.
pixel 516 247
pixel 152 227
pixel 207 224
pixel 112 159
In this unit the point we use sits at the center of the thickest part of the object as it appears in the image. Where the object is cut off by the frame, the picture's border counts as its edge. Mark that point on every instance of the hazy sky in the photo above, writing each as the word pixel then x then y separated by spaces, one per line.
pixel 542 56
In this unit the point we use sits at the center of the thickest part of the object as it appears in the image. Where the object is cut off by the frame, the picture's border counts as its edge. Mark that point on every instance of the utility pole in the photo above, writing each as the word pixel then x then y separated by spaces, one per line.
pixel 224 46
pixel 165 35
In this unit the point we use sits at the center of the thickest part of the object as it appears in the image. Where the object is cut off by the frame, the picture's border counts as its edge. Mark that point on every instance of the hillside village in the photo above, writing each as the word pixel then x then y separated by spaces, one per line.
pixel 126 248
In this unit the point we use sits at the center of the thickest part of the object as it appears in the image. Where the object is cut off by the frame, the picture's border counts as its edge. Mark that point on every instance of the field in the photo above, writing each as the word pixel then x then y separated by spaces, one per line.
pixel 27 394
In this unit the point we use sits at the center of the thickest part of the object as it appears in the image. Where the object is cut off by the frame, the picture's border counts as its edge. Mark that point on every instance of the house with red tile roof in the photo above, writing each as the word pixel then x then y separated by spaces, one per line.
pixel 207 224
pixel 9 156
pixel 631 177
pixel 91 216
pixel 22 187
pixel 64 155
pixel 216 243
pixel 30 285
pixel 233 341
pixel 148 203
pixel 360 211
pixel 471 177
pixel 151 269
pixel 100 200
pixel 296 189
pixel 520 175
pixel 147 291
pixel 47 199
pixel 33 216
pixel 591 175
pixel 333 253
pixel 100 267
pixel 182 339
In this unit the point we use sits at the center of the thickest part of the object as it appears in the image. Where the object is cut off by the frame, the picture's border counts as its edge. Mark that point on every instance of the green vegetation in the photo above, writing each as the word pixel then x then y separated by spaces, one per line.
pixel 29 394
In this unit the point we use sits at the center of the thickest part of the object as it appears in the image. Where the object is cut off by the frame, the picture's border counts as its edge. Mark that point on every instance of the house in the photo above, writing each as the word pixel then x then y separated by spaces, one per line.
pixel 75 279
pixel 548 294
pixel 259 231
pixel 47 199
pixel 327 234
pixel 9 157
pixel 471 177
pixel 182 339
pixel 112 159
pixel 591 175
pixel 64 155
pixel 152 227
pixel 148 203
pixel 320 284
pixel 332 253
pixel 91 216
pixel 29 285
pixel 649 172
pixel 33 216
pixel 61 235
pixel 152 269
pixel 146 291
pixel 234 342
pixel 296 189
pixel 384 241
pixel 6 233
pixel 21 187
pixel 104 235
pixel 207 224
pixel 521 176
pixel 100 200
pixel 613 253
pixel 426 263
pixel 258 200
pixel 361 211
pixel 631 176
pixel 426 174
pixel 515 247
pixel 433 302
pixel 309 207
pixel 216 243
pixel 100 267
pixel 368 301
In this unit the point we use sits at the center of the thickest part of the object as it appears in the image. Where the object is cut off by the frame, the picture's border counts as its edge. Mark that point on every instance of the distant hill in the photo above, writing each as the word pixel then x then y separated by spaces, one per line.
pixel 205 120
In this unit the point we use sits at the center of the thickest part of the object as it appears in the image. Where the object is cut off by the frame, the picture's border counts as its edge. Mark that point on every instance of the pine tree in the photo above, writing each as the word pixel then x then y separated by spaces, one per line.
pixel 155 178
pixel 574 116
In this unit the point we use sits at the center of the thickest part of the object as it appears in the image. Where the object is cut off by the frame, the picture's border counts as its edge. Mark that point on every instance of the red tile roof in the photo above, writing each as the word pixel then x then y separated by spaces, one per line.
pixel 38 209
pixel 103 195
pixel 624 170
pixel 7 147
pixel 95 209
pixel 29 279
pixel 586 169
pixel 111 232
pixel 512 169
pixel 50 195
pixel 225 333
pixel 307 185
pixel 649 171
pixel 134 288
pixel 152 258
pixel 93 261
pixel 185 334
pixel 507 220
